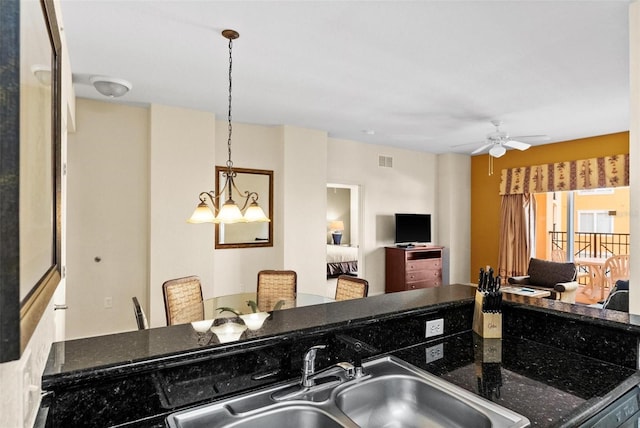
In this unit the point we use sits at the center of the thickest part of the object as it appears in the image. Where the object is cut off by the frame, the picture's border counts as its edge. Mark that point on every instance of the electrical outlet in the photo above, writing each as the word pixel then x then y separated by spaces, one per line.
pixel 435 353
pixel 435 327
pixel 108 302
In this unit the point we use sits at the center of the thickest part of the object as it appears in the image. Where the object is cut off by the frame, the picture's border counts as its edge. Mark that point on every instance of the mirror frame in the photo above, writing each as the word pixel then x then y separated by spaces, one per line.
pixel 269 242
pixel 18 320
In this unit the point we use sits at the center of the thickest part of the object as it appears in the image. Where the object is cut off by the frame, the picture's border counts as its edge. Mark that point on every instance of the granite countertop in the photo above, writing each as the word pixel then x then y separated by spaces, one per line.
pixel 126 352
pixel 596 316
pixel 549 386
pixel 181 341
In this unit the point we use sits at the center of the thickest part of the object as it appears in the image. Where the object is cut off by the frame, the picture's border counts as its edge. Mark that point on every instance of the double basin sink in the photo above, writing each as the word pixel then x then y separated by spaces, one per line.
pixel 391 393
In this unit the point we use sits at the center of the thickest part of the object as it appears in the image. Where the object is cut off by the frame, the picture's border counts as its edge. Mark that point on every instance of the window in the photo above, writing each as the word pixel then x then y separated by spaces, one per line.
pixel 595 222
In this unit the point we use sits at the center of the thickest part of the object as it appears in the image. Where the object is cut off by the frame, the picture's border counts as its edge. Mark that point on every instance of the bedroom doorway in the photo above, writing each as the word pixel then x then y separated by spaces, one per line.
pixel 343 250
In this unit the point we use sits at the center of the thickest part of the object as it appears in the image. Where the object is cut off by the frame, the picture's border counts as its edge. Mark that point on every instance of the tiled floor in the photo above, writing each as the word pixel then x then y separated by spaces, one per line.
pixel 584 295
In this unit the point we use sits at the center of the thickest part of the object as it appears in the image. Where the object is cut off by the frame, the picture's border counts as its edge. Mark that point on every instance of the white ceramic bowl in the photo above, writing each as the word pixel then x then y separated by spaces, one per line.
pixel 202 326
pixel 254 320
pixel 229 332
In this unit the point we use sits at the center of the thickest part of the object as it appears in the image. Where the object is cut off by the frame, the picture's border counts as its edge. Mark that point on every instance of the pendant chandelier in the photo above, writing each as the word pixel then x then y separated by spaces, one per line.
pixel 229 212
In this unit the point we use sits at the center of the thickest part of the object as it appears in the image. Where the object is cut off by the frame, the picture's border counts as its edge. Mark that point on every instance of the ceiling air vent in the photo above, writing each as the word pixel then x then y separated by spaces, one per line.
pixel 385 161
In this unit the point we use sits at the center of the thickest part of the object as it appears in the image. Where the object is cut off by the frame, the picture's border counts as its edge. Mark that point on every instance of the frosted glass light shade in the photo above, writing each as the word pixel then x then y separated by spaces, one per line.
pixel 497 151
pixel 110 86
pixel 255 214
pixel 230 213
pixel 202 214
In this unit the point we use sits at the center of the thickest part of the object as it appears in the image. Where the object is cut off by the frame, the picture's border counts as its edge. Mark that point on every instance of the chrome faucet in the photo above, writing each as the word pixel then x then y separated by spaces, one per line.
pixel 310 381
pixel 309 365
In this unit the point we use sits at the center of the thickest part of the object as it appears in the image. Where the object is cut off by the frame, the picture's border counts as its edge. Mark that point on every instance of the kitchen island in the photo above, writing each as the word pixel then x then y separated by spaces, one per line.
pixel 558 365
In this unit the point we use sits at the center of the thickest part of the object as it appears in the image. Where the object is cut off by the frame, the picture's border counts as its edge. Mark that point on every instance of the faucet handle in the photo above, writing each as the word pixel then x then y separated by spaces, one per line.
pixel 311 352
pixel 310 358
pixel 348 368
pixel 308 365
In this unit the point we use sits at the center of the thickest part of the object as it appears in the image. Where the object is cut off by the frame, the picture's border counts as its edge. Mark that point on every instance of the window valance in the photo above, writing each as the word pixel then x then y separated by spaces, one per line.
pixel 607 171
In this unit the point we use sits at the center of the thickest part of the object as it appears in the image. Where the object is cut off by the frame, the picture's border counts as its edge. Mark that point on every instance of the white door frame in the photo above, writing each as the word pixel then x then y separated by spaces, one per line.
pixel 357 220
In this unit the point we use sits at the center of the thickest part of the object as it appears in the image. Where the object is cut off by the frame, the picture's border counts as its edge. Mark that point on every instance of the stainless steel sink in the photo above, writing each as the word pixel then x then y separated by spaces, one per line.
pixel 392 394
pixel 288 416
pixel 399 392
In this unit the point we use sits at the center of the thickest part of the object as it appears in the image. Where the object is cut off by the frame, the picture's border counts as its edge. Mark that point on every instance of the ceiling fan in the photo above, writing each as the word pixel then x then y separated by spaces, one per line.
pixel 498 141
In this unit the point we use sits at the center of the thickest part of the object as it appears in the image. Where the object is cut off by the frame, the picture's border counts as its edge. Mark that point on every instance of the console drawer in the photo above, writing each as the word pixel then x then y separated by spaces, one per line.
pixel 422 284
pixel 423 264
pixel 430 275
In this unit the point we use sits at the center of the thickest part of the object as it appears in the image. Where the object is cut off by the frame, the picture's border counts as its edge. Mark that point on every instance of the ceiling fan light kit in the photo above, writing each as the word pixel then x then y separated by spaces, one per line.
pixel 497 150
pixel 110 86
pixel 498 141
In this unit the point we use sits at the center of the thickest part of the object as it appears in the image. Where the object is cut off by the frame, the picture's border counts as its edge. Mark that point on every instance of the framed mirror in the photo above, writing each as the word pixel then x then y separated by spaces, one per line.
pixel 30 138
pixel 247 235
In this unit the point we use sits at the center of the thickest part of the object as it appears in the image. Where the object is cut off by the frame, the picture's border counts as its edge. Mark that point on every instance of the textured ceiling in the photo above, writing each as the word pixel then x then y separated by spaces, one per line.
pixel 424 75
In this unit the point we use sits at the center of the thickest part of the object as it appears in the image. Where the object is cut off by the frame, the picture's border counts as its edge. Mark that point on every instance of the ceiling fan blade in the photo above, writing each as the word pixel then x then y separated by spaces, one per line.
pixel 517 145
pixel 482 148
pixel 532 138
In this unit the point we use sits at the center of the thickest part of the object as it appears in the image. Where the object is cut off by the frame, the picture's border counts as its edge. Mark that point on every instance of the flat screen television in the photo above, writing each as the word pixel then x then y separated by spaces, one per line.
pixel 413 228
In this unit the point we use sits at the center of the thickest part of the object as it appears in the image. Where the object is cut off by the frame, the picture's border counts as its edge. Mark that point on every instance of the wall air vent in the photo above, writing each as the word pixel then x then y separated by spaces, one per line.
pixel 385 161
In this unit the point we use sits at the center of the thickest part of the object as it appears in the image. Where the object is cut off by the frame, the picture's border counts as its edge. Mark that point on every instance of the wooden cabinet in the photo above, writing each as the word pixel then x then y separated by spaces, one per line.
pixel 411 268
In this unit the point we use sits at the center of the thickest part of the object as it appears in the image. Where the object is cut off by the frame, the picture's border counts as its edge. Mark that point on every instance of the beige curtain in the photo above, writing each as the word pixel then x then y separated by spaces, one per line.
pixel 517 217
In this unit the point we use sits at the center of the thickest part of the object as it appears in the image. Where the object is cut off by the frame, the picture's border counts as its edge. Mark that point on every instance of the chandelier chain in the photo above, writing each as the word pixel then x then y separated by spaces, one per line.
pixel 228 212
pixel 229 162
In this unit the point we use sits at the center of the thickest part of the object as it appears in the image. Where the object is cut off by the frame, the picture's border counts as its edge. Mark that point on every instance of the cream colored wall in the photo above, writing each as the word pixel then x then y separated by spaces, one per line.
pixel 258 147
pixel 410 186
pixel 304 192
pixel 108 228
pixel 181 165
pixel 454 206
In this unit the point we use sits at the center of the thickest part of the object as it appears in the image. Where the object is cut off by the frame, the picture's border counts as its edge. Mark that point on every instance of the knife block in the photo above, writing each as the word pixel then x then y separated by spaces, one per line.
pixel 486 324
pixel 487 350
pixel 488 365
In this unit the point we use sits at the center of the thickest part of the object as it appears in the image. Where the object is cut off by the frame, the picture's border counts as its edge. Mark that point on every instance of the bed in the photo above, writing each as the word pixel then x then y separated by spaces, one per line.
pixel 341 260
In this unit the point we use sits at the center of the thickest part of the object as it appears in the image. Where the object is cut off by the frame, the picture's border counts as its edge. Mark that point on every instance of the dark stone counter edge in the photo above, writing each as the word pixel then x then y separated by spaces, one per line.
pixel 125 368
pixel 610 319
pixel 602 317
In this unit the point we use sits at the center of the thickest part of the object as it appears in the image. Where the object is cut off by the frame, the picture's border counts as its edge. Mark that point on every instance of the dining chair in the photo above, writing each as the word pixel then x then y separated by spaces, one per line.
pixel 615 268
pixel 349 287
pixel 274 286
pixel 183 300
pixel 559 255
pixel 141 318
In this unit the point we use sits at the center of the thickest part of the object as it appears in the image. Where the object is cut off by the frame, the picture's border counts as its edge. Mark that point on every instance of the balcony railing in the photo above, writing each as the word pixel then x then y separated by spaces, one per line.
pixel 601 245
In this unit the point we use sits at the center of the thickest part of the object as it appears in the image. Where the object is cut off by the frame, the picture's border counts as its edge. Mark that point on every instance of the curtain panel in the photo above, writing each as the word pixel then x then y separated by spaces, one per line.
pixel 595 173
pixel 516 221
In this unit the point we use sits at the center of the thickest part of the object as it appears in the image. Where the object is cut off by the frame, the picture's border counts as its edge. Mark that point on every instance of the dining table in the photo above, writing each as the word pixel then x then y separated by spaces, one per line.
pixel 594 267
pixel 229 316
pixel 239 302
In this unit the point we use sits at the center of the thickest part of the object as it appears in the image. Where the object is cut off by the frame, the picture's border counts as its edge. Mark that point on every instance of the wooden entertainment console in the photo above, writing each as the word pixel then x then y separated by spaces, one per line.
pixel 412 268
